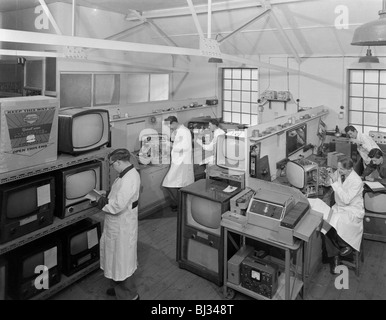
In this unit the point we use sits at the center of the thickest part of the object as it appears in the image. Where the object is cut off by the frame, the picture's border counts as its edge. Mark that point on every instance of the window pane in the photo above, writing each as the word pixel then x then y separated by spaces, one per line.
pixel 255 86
pixel 236 118
pixel 159 87
pixel 227 84
pixel 236 74
pixel 246 73
pixel 371 90
pixel 246 85
pixel 382 105
pixel 254 108
pixel 138 88
pixel 254 74
pixel 255 96
pixel 246 108
pixel 227 116
pixel 370 119
pixel 367 129
pixel 382 91
pixel 236 106
pixel 356 76
pixel 236 95
pixel 227 95
pixel 246 96
pixel 254 120
pixel 382 120
pixel 227 106
pixel 236 84
pixel 356 117
pixel 371 76
pixel 370 105
pixel 356 90
pixel 227 73
pixel 356 103
pixel 106 89
pixel 245 118
pixel 382 77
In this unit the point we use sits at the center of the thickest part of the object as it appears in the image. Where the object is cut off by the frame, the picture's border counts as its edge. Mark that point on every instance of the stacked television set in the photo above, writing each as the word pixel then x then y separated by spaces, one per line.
pixel 38 197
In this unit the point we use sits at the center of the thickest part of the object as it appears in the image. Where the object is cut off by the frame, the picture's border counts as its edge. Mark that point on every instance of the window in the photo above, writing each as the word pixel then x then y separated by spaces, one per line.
pixel 367 100
pixel 240 95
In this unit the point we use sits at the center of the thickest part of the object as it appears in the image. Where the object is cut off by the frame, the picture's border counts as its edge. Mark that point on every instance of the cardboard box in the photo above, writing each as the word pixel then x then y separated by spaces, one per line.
pixel 28 131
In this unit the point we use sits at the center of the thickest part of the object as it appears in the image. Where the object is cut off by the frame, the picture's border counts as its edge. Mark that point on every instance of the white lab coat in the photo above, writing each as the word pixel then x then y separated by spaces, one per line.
pixel 212 145
pixel 118 245
pixel 180 173
pixel 366 143
pixel 348 210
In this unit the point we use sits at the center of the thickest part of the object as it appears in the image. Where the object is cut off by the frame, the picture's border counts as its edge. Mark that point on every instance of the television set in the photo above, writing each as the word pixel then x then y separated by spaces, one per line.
pixel 230 153
pixel 3 278
pixel 80 243
pixel 28 267
pixel 82 129
pixel 303 174
pixel 296 139
pixel 26 205
pixel 199 234
pixel 375 202
pixel 73 184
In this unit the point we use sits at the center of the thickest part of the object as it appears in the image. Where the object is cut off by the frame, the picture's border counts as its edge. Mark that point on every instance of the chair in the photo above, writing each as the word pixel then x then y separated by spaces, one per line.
pixel 354 259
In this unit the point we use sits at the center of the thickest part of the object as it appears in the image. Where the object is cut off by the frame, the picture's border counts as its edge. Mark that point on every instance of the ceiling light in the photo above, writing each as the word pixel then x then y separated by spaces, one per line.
pixel 368 58
pixel 215 60
pixel 372 33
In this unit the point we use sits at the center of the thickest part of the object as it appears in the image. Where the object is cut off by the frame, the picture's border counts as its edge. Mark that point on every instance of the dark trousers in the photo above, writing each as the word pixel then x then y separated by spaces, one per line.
pixel 173 193
pixel 126 289
pixel 333 243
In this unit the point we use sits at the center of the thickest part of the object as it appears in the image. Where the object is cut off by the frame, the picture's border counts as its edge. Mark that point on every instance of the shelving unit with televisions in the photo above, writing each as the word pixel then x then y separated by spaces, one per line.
pixel 63 161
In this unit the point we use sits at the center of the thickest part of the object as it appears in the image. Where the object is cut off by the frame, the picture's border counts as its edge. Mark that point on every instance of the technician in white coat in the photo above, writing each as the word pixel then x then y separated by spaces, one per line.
pixel 181 172
pixel 118 244
pixel 212 145
pixel 347 213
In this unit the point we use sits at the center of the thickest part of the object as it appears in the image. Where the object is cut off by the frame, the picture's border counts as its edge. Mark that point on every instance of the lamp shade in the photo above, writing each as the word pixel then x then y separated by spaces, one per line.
pixel 372 33
pixel 368 58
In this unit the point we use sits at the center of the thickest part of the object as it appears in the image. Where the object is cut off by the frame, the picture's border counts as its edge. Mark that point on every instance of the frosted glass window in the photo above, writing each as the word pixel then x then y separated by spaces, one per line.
pixel 227 116
pixel 138 88
pixel 382 91
pixel 236 118
pixel 246 107
pixel 371 90
pixel 356 90
pixel 236 106
pixel 240 94
pixel 159 87
pixel 246 96
pixel 370 119
pixel 355 118
pixel 382 77
pixel 228 84
pixel 246 73
pixel 228 95
pixel 371 76
pixel 356 103
pixel 382 120
pixel 382 105
pixel 236 84
pixel 106 89
pixel 236 95
pixel 227 105
pixel 245 118
pixel 236 74
pixel 370 105
pixel 246 85
pixel 356 76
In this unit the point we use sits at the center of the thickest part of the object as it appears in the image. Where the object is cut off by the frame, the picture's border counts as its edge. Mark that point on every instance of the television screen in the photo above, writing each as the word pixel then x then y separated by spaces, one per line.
pixel 231 151
pixel 82 129
pixel 204 214
pixel 73 184
pixel 295 174
pixel 78 243
pixel 30 263
pixel 296 139
pixel 87 130
pixel 18 209
pixel 375 202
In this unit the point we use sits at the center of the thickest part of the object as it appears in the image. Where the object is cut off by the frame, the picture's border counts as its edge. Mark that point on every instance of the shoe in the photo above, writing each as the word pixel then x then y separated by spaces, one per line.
pixel 136 297
pixel 334 263
pixel 111 292
pixel 345 251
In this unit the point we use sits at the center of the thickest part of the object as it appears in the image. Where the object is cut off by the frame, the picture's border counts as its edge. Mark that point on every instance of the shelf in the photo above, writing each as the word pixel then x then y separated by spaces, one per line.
pixel 278 132
pixel 66 281
pixel 295 285
pixel 63 161
pixel 56 225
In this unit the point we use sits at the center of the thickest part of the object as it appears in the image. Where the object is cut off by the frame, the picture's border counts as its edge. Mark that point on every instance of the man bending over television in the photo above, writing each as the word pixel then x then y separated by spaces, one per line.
pixel 346 215
pixel 118 244
pixel 376 169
